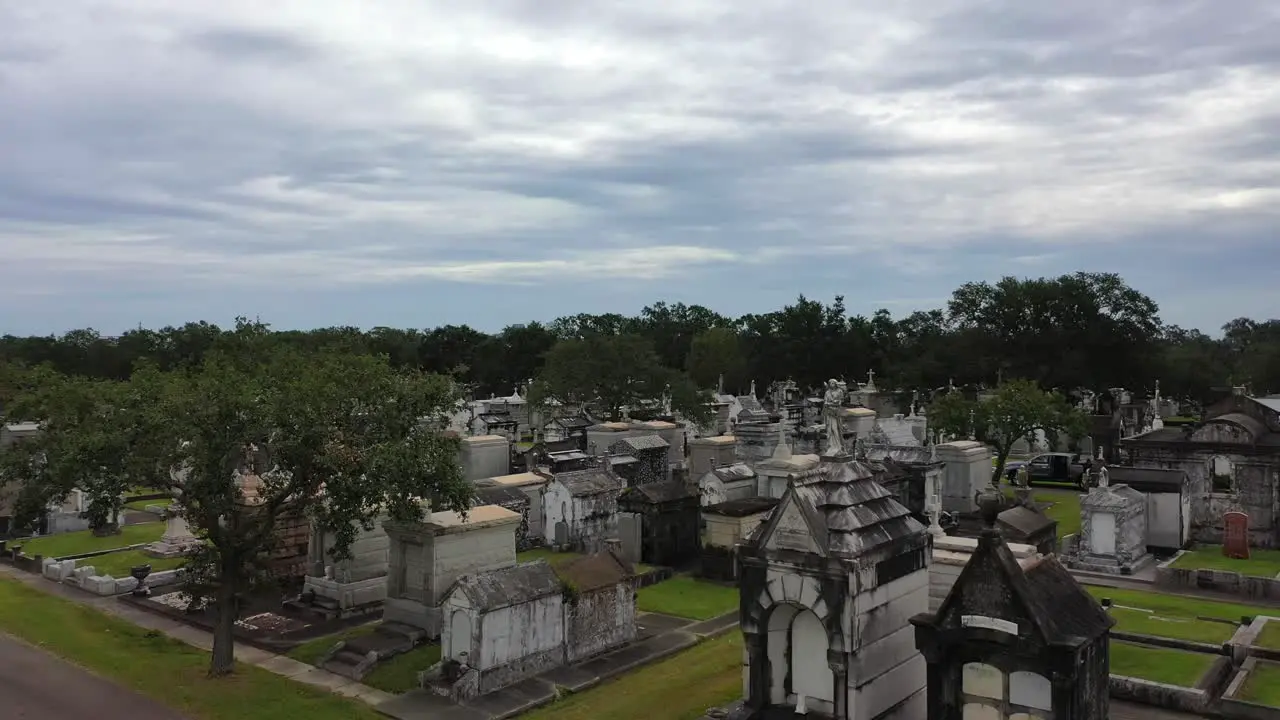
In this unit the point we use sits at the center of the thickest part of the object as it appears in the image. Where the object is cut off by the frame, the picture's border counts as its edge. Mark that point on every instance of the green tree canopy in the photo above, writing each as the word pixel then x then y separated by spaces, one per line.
pixel 612 372
pixel 262 432
pixel 1017 410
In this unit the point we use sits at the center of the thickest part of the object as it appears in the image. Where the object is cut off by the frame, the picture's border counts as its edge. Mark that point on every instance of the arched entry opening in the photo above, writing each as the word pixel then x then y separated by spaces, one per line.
pixel 796 645
pixel 459 637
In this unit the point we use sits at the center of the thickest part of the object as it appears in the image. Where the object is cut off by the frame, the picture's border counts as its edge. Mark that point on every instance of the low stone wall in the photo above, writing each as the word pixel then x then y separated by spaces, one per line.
pixel 1195 700
pixel 653 577
pixel 1171 697
pixel 1171 643
pixel 1223 581
pixel 1233 707
pixel 84 577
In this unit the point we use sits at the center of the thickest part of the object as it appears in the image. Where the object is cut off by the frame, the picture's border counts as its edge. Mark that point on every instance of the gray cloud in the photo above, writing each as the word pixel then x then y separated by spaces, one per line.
pixel 522 141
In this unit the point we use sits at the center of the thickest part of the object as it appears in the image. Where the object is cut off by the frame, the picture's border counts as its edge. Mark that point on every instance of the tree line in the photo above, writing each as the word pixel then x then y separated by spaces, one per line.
pixel 1078 330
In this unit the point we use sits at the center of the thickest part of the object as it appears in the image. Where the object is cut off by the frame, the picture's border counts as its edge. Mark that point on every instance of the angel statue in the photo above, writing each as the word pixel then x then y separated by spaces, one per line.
pixel 832 402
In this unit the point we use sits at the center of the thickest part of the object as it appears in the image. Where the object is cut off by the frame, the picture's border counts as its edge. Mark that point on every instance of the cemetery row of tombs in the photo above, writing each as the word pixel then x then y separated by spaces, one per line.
pixel 872 564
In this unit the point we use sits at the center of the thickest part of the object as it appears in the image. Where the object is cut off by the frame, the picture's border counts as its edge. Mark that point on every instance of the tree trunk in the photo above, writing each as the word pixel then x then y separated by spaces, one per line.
pixel 1002 457
pixel 222 660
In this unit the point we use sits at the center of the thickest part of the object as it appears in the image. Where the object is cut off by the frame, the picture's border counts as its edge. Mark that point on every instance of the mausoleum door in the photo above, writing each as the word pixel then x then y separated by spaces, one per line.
pixel 796 647
pixel 1102 537
pixel 810 674
pixel 460 637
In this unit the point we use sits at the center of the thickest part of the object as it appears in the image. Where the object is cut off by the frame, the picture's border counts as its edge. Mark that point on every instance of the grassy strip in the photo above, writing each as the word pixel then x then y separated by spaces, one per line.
pixel 160 667
pixel 1163 665
pixel 688 597
pixel 84 541
pixel 1175 606
pixel 400 673
pixel 1270 635
pixel 1263 685
pixel 681 687
pixel 310 651
pixel 397 675
pixel 1182 628
pixel 1262 563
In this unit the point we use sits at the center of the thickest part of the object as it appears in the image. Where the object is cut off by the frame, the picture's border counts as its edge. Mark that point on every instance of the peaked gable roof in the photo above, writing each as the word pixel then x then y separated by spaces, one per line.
pixel 846 511
pixel 1044 600
pixel 509 586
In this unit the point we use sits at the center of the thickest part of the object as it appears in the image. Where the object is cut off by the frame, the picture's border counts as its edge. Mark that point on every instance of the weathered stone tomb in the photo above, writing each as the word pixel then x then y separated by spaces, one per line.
pixel 828 584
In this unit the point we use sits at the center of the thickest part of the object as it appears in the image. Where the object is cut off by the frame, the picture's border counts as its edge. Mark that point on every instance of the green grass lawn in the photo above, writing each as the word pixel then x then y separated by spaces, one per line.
pixel 400 673
pixel 681 687
pixel 84 541
pixel 688 597
pixel 160 667
pixel 1173 616
pixel 1182 628
pixel 1263 685
pixel 397 675
pixel 141 505
pixel 1175 605
pixel 118 564
pixel 1174 667
pixel 1270 635
pixel 1263 563
pixel 1063 505
pixel 310 651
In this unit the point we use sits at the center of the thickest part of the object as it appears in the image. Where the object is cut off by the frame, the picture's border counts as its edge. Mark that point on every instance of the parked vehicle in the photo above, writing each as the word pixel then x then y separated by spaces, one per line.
pixel 1051 467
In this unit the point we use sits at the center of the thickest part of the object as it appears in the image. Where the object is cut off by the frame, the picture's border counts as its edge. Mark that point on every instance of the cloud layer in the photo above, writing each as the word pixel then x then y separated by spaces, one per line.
pixel 322 161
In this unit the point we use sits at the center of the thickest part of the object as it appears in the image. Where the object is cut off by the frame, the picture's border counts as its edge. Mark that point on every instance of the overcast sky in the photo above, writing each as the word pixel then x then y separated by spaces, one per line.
pixel 414 163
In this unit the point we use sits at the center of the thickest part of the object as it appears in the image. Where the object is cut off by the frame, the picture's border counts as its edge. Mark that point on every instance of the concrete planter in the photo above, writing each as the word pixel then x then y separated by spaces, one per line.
pixel 1196 700
pixel 1233 707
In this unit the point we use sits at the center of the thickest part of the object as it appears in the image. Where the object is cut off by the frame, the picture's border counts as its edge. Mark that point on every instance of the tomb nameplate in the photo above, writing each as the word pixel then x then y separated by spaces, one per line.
pixel 989 623
pixel 1235 535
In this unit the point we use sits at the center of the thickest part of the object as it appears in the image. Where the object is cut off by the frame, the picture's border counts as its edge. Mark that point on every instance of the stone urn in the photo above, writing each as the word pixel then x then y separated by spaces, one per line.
pixel 140 573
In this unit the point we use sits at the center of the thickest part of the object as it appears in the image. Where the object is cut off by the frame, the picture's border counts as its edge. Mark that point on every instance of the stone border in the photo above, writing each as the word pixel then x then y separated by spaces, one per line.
pixel 66 571
pixel 1223 581
pixel 653 577
pixel 1195 700
pixel 1172 643
pixel 1235 708
pixel 1243 647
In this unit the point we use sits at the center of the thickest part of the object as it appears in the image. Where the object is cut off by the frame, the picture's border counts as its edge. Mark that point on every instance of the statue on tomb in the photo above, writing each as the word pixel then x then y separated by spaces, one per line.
pixel 833 401
pixel 666 399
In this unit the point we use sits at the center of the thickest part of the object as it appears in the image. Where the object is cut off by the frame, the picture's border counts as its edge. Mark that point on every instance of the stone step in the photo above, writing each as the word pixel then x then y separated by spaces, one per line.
pixel 347 657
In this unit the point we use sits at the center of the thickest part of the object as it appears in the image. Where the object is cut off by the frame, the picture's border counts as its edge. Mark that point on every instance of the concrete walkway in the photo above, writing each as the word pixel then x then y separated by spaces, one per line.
pixel 278 664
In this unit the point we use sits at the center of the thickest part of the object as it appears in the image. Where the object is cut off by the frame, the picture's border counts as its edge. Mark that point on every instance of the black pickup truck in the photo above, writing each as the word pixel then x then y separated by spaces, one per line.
pixel 1050 467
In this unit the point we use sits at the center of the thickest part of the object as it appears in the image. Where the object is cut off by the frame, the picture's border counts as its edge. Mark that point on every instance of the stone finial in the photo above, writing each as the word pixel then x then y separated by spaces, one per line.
pixel 990 503
pixel 1104 477
pixel 753 388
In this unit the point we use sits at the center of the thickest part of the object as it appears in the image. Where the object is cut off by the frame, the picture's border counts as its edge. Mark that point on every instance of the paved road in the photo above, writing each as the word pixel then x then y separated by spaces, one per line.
pixel 35 685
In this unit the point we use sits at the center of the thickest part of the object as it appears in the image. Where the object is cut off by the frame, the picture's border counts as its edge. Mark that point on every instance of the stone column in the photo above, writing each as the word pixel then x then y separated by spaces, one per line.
pixel 757 671
pixel 840 677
